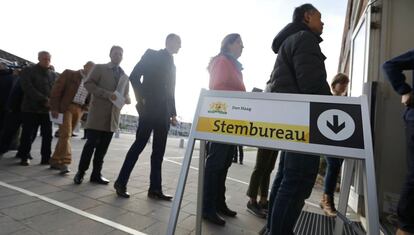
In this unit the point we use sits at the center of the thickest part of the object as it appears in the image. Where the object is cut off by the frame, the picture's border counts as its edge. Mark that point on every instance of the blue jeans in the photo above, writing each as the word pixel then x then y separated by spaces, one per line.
pixel 293 184
pixel 405 209
pixel 331 175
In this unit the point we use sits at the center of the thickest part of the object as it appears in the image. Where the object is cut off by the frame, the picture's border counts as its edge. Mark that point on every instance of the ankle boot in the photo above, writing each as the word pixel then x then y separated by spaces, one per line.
pixel 328 206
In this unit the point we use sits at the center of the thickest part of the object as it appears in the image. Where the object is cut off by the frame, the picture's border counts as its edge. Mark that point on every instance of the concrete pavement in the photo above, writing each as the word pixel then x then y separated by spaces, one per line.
pixel 37 200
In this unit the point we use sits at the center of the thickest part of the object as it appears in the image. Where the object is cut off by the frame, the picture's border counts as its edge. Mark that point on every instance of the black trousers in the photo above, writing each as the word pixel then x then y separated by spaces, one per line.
pixel 219 159
pixel 31 123
pixel 160 129
pixel 10 129
pixel 405 209
pixel 98 143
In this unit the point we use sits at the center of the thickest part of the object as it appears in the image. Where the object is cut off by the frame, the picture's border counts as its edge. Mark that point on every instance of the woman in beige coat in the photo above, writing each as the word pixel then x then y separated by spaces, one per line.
pixel 109 88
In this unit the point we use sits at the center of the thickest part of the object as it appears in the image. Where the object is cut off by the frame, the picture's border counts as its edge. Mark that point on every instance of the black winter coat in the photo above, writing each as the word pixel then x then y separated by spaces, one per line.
pixel 299 67
pixel 36 84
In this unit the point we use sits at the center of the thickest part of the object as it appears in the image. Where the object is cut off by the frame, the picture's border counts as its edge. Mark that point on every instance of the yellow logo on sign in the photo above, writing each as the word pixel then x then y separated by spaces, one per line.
pixel 218 107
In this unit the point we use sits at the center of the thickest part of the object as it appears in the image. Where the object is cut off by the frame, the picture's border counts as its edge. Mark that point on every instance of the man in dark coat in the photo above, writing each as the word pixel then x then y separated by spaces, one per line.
pixel 394 70
pixel 36 82
pixel 156 108
pixel 299 68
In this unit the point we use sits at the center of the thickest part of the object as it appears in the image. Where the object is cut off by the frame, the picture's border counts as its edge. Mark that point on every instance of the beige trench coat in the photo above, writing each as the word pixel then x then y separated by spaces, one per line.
pixel 101 84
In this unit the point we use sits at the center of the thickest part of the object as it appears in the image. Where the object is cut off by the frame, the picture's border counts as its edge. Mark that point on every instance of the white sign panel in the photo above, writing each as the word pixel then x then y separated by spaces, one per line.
pixel 305 123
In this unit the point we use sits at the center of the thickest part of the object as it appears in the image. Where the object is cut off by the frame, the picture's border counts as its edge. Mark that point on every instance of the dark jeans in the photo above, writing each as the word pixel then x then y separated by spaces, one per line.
pixel 31 122
pixel 260 178
pixel 98 142
pixel 10 129
pixel 219 159
pixel 405 209
pixel 146 126
pixel 239 150
pixel 331 176
pixel 293 184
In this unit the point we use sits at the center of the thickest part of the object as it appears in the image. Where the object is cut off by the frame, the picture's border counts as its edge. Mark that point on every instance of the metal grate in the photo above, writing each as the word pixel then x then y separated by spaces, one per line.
pixel 316 224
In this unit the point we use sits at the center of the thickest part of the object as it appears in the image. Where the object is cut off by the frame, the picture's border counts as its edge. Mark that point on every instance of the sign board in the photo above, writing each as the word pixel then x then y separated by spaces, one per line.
pixel 322 125
pixel 304 123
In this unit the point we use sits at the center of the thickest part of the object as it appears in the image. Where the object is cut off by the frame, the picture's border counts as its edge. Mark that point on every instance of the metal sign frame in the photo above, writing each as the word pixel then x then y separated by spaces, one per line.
pixel 349 154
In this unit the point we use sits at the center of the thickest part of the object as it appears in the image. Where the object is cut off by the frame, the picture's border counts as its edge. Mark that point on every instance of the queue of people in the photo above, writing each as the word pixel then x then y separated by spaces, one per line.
pixel 103 89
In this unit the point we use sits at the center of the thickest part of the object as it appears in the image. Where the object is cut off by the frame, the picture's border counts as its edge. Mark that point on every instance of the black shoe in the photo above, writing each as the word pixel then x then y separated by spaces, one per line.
pixel 226 211
pixel 74 135
pixel 28 156
pixel 241 163
pixel 45 161
pixel 78 177
pixel 25 162
pixel 159 196
pixel 255 209
pixel 264 206
pixel 214 218
pixel 121 190
pixel 99 180
pixel 64 170
pixel 54 167
pixel 234 160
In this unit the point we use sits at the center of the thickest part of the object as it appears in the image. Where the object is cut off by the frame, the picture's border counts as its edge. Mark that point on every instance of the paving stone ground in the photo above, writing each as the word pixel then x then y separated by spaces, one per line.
pixel 24 214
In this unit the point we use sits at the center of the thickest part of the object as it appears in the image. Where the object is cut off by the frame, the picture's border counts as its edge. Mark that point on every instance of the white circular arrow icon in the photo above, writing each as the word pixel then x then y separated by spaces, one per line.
pixel 336 124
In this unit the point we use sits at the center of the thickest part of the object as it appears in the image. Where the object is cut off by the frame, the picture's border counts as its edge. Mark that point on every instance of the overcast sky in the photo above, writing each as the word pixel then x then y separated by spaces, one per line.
pixel 75 31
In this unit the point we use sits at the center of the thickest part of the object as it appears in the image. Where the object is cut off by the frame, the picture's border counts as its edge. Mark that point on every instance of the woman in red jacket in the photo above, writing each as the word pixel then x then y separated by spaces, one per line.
pixel 225 74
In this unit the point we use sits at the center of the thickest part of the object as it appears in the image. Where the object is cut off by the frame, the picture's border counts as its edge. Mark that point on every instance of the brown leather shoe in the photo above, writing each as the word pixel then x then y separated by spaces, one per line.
pixel 327 205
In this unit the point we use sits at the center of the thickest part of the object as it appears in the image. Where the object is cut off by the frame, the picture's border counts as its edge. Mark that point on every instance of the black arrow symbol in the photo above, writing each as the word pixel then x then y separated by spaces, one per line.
pixel 335 127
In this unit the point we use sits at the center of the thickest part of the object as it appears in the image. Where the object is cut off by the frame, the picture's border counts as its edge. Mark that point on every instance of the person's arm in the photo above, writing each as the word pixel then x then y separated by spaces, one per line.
pixel 309 66
pixel 92 84
pixel 137 73
pixel 394 68
pixel 85 106
pixel 57 92
pixel 126 93
pixel 29 89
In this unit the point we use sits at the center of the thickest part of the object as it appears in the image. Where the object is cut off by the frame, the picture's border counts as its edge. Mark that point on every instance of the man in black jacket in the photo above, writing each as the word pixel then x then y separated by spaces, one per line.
pixel 299 68
pixel 36 82
pixel 156 108
pixel 393 69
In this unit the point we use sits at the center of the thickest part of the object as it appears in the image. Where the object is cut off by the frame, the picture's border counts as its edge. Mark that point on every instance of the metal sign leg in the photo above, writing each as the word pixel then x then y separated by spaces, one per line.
pixel 201 167
pixel 344 195
pixel 175 209
pixel 371 200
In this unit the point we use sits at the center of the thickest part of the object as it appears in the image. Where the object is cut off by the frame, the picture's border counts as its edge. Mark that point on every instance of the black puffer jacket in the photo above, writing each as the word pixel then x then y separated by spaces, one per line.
pixel 299 67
